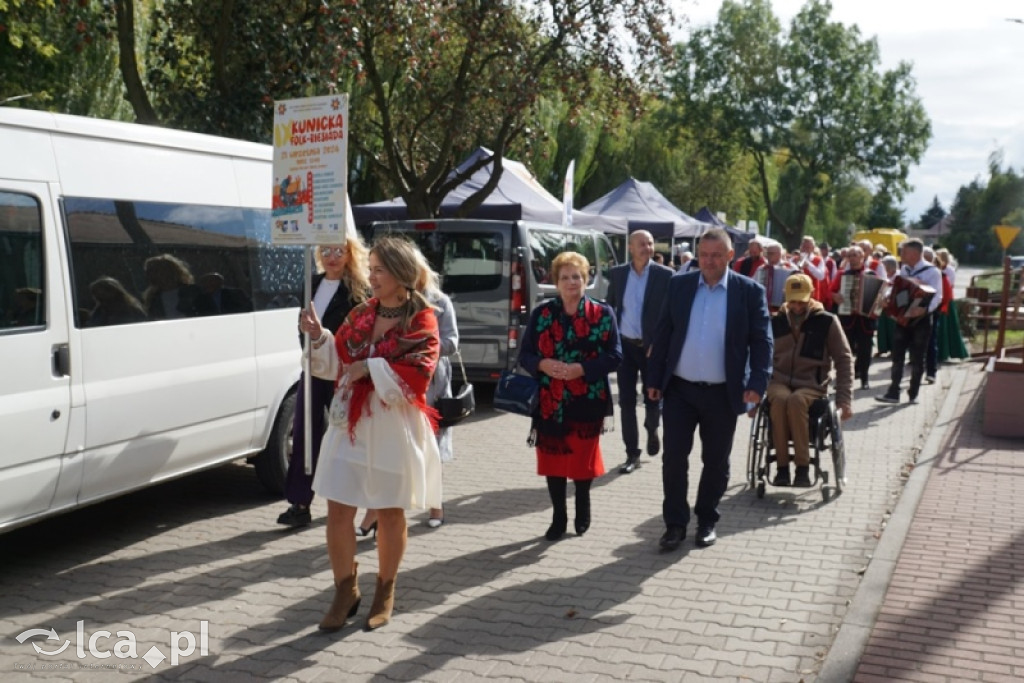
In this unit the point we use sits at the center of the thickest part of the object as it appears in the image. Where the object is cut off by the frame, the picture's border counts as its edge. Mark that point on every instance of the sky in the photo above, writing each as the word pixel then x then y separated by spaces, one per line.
pixel 968 61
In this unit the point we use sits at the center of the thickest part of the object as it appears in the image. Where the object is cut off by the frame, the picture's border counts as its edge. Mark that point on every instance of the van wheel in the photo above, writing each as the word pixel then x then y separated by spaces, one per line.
pixel 272 463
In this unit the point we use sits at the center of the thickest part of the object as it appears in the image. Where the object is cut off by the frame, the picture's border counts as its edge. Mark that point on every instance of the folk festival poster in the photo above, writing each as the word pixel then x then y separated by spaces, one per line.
pixel 310 170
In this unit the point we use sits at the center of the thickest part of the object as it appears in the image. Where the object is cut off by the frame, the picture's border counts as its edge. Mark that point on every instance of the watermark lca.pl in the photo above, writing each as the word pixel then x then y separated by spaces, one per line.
pixel 181 644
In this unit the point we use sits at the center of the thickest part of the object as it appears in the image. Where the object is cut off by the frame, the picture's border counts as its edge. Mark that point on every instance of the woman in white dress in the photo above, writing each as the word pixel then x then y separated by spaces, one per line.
pixel 440 387
pixel 379 451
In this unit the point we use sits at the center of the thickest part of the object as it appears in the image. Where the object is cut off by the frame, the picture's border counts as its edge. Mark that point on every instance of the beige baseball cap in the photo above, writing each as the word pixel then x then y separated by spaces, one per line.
pixel 799 288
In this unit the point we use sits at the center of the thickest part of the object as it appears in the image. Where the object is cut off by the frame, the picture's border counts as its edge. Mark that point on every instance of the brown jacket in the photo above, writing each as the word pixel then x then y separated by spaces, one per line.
pixel 804 357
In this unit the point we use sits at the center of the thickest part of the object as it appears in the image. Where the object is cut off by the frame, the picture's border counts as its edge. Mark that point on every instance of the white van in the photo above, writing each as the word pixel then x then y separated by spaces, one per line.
pixel 495 273
pixel 147 325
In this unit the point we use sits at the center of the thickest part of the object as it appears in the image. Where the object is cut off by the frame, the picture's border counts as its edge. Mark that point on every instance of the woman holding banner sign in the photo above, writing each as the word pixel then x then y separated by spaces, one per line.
pixel 339 284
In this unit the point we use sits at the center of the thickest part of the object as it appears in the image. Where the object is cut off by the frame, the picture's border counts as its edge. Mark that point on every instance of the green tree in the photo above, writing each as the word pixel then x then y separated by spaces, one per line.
pixel 217 66
pixel 847 211
pixel 814 96
pixel 441 77
pixel 933 215
pixel 884 213
pixel 979 207
pixel 648 146
pixel 58 56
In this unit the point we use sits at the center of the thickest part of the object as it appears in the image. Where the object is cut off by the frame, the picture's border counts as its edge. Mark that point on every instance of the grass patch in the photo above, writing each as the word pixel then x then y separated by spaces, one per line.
pixel 993 282
pixel 1011 339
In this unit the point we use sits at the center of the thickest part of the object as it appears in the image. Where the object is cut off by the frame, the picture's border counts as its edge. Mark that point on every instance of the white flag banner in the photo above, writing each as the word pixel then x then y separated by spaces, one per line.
pixel 567 193
pixel 310 196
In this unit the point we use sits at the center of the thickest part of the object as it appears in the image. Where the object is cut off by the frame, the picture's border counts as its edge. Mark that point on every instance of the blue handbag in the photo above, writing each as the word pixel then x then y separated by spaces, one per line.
pixel 516 393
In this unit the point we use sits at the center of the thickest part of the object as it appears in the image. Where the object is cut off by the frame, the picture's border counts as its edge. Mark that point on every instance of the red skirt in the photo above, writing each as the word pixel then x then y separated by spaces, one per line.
pixel 582 461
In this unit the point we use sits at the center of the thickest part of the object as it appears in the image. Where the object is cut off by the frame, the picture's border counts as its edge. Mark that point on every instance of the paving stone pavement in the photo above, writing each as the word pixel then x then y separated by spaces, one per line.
pixel 484 596
pixel 954 609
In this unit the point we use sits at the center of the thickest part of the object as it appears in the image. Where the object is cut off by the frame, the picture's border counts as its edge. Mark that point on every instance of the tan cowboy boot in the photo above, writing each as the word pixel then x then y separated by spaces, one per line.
pixel 345 603
pixel 383 603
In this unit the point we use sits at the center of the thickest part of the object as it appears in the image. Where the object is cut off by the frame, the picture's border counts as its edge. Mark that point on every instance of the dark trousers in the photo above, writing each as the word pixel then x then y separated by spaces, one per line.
pixel 688 406
pixel 931 364
pixel 861 338
pixel 634 363
pixel 913 338
pixel 299 485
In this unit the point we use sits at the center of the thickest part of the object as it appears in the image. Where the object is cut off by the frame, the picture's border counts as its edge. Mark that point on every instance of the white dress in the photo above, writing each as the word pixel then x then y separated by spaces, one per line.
pixel 393 462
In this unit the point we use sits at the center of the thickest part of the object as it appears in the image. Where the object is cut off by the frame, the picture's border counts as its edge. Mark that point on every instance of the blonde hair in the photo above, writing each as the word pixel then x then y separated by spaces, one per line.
pixel 168 269
pixel 409 267
pixel 570 258
pixel 108 291
pixel 357 268
pixel 945 258
pixel 164 272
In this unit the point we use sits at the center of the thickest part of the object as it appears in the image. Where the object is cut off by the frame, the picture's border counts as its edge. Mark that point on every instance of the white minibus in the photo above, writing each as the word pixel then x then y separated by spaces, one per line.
pixel 147 324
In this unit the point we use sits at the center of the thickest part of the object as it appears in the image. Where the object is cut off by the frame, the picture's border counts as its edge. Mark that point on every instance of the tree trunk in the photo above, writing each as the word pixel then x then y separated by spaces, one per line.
pixel 135 91
pixel 220 47
pixel 130 222
pixel 766 193
pixel 801 216
pixel 473 202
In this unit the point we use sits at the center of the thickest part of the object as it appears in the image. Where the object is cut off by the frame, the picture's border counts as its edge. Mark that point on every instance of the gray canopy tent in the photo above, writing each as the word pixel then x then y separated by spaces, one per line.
pixel 645 208
pixel 518 196
pixel 740 238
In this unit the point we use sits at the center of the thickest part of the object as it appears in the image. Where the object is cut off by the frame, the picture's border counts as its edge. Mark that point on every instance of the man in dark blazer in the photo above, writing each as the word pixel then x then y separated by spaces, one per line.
pixel 711 357
pixel 636 293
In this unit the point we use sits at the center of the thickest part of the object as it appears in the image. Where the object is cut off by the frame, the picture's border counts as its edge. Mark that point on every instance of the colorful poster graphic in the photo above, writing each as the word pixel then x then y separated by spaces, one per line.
pixel 310 170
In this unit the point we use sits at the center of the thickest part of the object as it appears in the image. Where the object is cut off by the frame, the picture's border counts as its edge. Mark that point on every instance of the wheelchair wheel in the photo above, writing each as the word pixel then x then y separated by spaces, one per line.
pixel 756 448
pixel 752 452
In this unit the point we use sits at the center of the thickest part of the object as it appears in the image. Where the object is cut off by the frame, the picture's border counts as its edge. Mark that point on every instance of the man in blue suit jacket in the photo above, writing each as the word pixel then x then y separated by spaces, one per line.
pixel 712 355
pixel 636 293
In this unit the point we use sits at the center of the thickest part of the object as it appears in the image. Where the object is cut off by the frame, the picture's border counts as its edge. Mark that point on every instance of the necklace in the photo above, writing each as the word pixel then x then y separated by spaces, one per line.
pixel 390 311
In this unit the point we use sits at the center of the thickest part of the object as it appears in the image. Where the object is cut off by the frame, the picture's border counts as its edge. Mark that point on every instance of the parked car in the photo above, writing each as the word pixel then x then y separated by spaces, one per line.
pixel 495 273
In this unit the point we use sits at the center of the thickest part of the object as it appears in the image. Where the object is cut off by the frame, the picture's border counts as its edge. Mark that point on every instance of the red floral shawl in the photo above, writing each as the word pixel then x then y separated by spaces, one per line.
pixel 412 355
pixel 576 405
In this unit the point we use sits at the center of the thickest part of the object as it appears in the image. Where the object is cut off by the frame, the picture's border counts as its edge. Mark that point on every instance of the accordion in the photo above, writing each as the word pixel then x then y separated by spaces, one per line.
pixel 863 294
pixel 773 279
pixel 907 296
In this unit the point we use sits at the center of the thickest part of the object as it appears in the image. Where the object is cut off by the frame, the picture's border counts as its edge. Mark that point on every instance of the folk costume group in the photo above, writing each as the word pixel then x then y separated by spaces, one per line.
pixel 700 343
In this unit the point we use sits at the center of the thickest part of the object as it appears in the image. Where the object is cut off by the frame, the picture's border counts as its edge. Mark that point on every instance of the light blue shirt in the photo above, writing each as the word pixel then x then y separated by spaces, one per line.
pixel 703 356
pixel 633 303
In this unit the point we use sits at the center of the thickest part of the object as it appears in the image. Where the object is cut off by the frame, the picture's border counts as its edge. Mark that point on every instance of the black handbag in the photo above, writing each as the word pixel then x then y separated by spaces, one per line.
pixel 516 393
pixel 455 409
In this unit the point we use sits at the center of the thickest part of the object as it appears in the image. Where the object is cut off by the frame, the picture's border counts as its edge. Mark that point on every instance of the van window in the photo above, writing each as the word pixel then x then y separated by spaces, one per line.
pixel 466 261
pixel 22 291
pixel 140 261
pixel 545 245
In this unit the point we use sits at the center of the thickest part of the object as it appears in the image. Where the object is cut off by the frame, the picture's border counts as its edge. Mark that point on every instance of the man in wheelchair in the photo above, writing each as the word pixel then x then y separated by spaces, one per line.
pixel 809 341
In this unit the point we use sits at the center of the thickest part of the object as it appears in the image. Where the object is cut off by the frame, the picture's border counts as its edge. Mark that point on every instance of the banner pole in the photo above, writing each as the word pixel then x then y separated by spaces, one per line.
pixel 307 430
